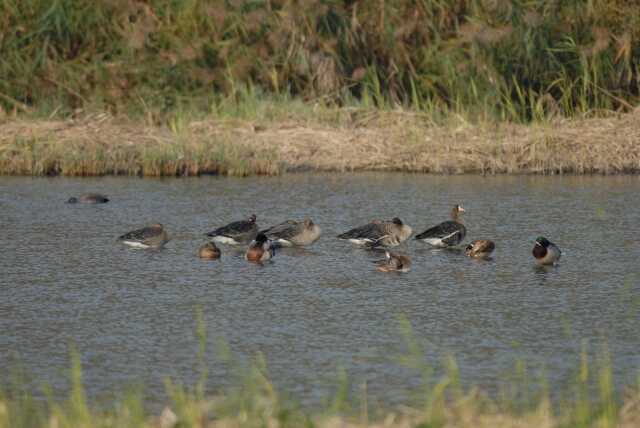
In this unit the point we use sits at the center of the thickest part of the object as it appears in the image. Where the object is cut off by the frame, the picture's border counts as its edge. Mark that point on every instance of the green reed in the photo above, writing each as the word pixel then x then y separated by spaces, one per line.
pixel 516 60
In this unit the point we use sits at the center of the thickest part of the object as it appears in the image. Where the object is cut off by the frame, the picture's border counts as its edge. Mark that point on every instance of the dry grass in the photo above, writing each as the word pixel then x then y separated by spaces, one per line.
pixel 367 141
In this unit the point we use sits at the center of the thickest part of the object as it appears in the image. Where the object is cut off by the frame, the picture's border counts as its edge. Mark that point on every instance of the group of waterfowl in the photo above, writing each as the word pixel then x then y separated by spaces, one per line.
pixel 375 234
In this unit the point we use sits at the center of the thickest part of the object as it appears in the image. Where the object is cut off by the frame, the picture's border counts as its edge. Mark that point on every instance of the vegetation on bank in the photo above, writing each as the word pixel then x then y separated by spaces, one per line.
pixel 516 60
pixel 588 399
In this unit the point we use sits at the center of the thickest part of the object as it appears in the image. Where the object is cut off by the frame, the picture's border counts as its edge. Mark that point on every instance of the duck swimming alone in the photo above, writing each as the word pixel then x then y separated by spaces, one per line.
pixel 209 251
pixel 379 233
pixel 480 248
pixel 394 263
pixel 89 198
pixel 446 234
pixel 153 236
pixel 546 252
pixel 260 250
pixel 292 233
pixel 238 232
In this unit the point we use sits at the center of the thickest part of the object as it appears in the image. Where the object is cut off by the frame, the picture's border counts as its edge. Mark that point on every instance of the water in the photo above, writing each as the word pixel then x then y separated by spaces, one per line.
pixel 130 313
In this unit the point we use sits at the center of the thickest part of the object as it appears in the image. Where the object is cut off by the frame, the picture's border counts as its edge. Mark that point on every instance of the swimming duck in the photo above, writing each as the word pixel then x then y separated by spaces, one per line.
pixel 209 251
pixel 545 251
pixel 291 232
pixel 260 250
pixel 379 233
pixel 394 263
pixel 235 233
pixel 153 236
pixel 89 198
pixel 446 234
pixel 480 248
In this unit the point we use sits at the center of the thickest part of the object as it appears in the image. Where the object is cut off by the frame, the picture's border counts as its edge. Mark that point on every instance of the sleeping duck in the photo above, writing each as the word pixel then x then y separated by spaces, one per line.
pixel 394 263
pixel 480 248
pixel 546 252
pixel 260 250
pixel 448 233
pixel 89 198
pixel 209 251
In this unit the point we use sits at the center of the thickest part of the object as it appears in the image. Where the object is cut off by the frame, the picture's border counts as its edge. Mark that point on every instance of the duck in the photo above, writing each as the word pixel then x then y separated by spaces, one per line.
pixel 394 262
pixel 390 233
pixel 293 233
pixel 480 248
pixel 260 249
pixel 446 234
pixel 237 232
pixel 153 236
pixel 209 251
pixel 89 198
pixel 545 252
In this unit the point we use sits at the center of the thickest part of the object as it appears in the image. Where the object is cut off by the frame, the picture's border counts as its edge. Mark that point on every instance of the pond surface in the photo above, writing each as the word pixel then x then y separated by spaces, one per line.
pixel 64 279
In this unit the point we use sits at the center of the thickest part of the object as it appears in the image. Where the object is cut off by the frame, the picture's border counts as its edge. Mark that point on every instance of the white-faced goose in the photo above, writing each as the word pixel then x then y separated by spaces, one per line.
pixel 153 236
pixel 394 263
pixel 89 198
pixel 260 250
pixel 379 233
pixel 292 233
pixel 546 252
pixel 480 248
pixel 446 234
pixel 238 232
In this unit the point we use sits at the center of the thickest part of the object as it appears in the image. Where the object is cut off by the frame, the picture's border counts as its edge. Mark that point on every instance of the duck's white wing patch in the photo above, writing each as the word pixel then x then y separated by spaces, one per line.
pixel 136 244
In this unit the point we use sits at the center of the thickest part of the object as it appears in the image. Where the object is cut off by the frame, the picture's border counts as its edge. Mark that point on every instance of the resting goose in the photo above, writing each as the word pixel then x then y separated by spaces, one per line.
pixel 153 236
pixel 394 263
pixel 480 248
pixel 235 233
pixel 446 234
pixel 291 232
pixel 387 233
pixel 260 250
pixel 89 198
pixel 209 251
pixel 546 252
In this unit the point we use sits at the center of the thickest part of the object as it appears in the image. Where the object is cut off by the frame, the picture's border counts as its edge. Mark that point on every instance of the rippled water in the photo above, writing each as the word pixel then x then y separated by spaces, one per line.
pixel 65 280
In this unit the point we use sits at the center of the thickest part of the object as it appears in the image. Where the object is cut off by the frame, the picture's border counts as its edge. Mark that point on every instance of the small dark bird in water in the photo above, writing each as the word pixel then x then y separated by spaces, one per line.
pixel 153 236
pixel 394 263
pixel 545 252
pixel 480 248
pixel 446 234
pixel 209 251
pixel 260 250
pixel 89 198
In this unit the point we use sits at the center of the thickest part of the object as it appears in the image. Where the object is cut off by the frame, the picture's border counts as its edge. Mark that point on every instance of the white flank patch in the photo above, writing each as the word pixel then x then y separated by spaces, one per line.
pixel 283 243
pixel 225 240
pixel 436 242
pixel 360 241
pixel 136 244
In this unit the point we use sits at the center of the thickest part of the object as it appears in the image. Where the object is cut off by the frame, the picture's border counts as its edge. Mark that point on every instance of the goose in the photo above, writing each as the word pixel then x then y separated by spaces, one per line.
pixel 235 233
pixel 153 236
pixel 209 251
pixel 376 233
pixel 546 252
pixel 394 263
pixel 89 198
pixel 260 250
pixel 480 248
pixel 446 234
pixel 292 233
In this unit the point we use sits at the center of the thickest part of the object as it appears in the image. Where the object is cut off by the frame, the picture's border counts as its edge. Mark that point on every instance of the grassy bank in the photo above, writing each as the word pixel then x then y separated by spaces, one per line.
pixel 272 139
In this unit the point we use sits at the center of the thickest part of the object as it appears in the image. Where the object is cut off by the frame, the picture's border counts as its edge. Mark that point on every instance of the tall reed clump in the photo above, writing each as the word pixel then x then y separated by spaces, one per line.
pixel 518 60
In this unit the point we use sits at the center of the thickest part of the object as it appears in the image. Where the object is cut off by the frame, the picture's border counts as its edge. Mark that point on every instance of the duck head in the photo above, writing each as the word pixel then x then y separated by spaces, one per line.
pixel 72 200
pixel 252 218
pixel 542 241
pixel 397 221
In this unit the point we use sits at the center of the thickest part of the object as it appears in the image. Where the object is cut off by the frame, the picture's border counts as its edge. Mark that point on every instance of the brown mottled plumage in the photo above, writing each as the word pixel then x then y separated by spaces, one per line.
pixel 260 250
pixel 480 248
pixel 209 251
pixel 394 263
